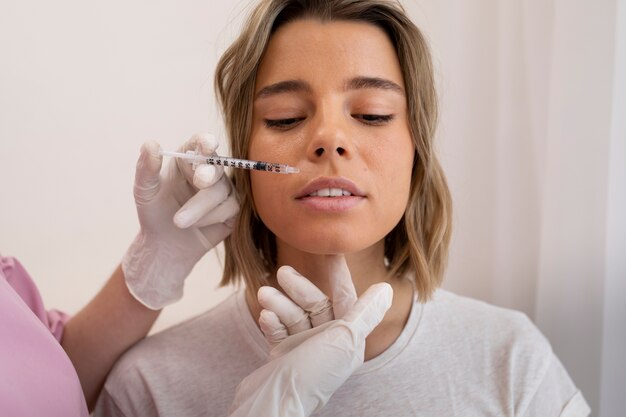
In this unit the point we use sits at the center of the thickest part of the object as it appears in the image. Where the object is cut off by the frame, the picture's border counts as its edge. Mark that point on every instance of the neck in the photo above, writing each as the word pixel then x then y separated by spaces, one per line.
pixel 366 267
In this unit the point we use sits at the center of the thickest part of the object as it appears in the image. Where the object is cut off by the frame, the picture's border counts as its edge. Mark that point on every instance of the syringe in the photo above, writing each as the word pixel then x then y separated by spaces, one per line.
pixel 233 162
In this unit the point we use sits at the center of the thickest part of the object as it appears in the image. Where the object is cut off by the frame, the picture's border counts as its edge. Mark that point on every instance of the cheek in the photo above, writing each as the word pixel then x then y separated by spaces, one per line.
pixel 283 149
pixel 255 149
pixel 261 193
pixel 394 167
pixel 393 163
pixel 267 195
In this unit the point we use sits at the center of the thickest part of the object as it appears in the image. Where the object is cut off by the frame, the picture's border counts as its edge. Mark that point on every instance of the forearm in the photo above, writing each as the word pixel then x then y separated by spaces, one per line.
pixel 95 337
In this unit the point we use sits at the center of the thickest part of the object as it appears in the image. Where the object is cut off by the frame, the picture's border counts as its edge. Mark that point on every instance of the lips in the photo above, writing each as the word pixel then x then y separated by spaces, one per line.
pixel 329 188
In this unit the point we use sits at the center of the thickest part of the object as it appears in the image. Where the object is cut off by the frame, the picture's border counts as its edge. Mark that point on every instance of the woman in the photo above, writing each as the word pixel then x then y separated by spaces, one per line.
pixel 344 91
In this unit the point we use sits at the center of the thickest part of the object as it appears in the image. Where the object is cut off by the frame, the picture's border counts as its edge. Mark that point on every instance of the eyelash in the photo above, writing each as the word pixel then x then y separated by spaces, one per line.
pixel 374 119
pixel 370 119
pixel 282 124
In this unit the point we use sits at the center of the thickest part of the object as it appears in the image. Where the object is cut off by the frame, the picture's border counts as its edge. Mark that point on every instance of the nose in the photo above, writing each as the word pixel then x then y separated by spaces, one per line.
pixel 330 138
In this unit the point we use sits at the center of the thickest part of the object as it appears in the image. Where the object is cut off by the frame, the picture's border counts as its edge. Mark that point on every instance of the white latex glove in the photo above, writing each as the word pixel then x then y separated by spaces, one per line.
pixel 306 306
pixel 182 214
pixel 307 367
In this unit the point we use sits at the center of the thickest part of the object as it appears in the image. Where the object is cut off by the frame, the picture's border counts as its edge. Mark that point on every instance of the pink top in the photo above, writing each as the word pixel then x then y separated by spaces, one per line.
pixel 36 376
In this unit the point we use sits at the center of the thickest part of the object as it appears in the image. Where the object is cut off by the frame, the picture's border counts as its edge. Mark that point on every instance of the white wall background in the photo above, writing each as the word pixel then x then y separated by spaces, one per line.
pixel 532 136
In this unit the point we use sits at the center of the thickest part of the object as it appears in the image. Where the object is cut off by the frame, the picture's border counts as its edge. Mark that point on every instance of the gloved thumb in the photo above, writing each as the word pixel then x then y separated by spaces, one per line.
pixel 147 173
pixel 343 291
pixel 370 308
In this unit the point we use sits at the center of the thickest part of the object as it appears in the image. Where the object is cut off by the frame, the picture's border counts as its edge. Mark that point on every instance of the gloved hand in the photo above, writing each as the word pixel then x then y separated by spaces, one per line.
pixel 320 353
pixel 183 213
pixel 306 306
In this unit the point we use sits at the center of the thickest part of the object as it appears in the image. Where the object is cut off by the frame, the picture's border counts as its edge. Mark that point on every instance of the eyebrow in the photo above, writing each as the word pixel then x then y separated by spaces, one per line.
pixel 373 82
pixel 357 83
pixel 289 86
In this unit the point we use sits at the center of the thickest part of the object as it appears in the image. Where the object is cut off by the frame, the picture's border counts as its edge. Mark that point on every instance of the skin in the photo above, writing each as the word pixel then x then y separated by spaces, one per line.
pixel 106 327
pixel 330 99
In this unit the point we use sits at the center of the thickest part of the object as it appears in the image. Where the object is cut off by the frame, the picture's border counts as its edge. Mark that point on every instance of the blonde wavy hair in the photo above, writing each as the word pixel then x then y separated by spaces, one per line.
pixel 418 244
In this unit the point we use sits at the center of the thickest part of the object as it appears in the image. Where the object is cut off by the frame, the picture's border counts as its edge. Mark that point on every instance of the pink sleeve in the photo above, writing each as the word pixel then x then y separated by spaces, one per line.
pixel 17 277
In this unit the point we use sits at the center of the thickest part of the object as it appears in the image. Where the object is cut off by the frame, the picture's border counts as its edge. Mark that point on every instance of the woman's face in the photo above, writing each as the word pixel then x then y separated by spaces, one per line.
pixel 330 100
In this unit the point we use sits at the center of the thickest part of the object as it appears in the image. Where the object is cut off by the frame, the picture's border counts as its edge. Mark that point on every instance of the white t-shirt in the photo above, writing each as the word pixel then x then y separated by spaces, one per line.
pixel 455 357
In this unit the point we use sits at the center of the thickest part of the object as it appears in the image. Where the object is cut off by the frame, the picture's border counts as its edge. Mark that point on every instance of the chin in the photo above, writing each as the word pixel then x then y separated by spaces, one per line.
pixel 331 244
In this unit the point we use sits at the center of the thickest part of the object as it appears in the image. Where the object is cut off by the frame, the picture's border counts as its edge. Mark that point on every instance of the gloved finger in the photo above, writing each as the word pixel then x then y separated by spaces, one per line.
pixel 343 292
pixel 293 341
pixel 211 236
pixel 223 213
pixel 289 313
pixel 360 320
pixel 272 328
pixel 147 173
pixel 201 203
pixel 206 175
pixel 370 308
pixel 304 293
pixel 204 144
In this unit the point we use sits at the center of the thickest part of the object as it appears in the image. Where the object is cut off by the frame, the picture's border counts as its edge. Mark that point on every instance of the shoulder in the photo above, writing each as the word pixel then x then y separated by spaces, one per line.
pixel 213 347
pixel 487 337
pixel 485 324
pixel 500 347
pixel 12 271
pixel 208 331
pixel 20 282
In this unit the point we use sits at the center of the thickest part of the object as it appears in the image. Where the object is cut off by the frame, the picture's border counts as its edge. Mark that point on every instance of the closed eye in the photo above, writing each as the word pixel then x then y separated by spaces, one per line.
pixel 283 124
pixel 374 119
